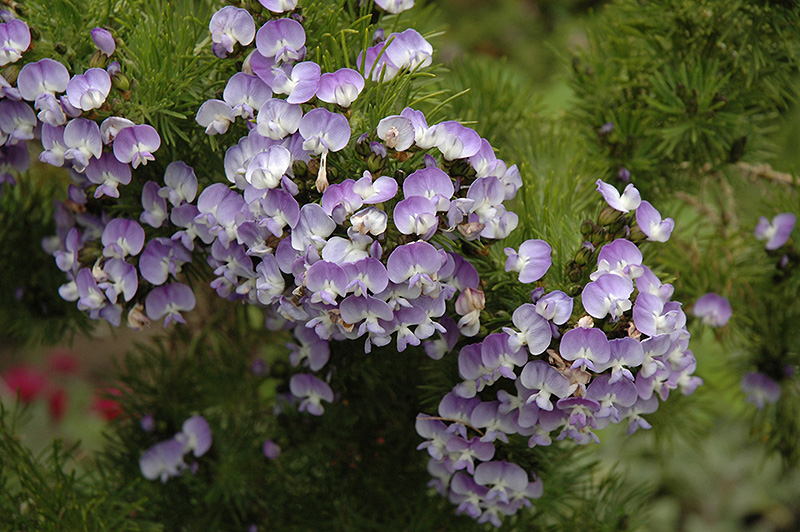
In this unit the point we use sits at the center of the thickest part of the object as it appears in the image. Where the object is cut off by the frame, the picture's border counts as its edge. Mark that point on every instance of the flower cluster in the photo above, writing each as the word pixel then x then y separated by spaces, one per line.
pixel 97 253
pixel 165 459
pixel 341 230
pixel 551 376
pixel 354 257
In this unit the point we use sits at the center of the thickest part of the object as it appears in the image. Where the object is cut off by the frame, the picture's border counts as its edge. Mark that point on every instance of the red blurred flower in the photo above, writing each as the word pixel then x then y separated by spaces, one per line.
pixel 105 404
pixel 26 381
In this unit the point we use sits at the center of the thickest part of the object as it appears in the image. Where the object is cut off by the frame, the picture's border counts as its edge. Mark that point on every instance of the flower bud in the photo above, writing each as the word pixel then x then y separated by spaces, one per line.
pixel 120 81
pixel 609 216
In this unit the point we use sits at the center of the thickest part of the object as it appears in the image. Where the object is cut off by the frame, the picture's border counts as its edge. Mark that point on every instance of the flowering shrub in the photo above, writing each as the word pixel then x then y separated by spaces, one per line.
pixel 346 212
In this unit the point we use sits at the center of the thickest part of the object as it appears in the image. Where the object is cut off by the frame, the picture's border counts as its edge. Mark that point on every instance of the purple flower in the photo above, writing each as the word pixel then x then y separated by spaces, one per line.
pixel 653 317
pixel 163 460
pixel 341 87
pixel 111 126
pixel 299 82
pixel 534 330
pixel 195 435
pixel 382 189
pixel 104 41
pixel 324 131
pixel 312 392
pixel 121 279
pixel 629 199
pixel 457 141
pixel 555 306
pixel 585 347
pixel 532 261
pixel 713 309
pixel 89 294
pixel 611 396
pixel 278 118
pixel 395 6
pixel 409 50
pixel 108 173
pixel 83 141
pixel 228 26
pixel 608 295
pixel 777 232
pixel 416 215
pixel 621 257
pixel 267 168
pixel 181 183
pixel 121 238
pixel 504 478
pixel 279 6
pixel 154 207
pixel 416 263
pixel 271 449
pixel 17 121
pixel 354 309
pixel 245 94
pixel 545 381
pixel 397 132
pixel 15 38
pixel 45 76
pixel 424 137
pixel 649 221
pixel 169 300
pixel 89 90
pixel 136 144
pixel 215 116
pixel 312 348
pixel 282 39
pixel 760 389
pixel 326 281
pixel 431 183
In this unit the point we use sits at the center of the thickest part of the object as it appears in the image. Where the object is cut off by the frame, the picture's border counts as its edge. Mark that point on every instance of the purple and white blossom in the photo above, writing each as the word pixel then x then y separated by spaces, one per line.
pixel 44 77
pixel 108 173
pixel 215 116
pixel 83 142
pixel 136 144
pixel 395 6
pixel 104 41
pixel 169 300
pixel 760 389
pixel 228 26
pixel 163 460
pixel 608 295
pixel 777 231
pixel 195 435
pixel 312 392
pixel 341 87
pixel 532 261
pixel 713 309
pixel 649 221
pixel 278 119
pixel 89 90
pixel 585 347
pixel 629 200
pixel 279 6
pixel 122 238
pixel 15 38
pixel 534 330
pixel 397 132
pixel 281 39
pixel 299 82
pixel 17 121
pixel 245 94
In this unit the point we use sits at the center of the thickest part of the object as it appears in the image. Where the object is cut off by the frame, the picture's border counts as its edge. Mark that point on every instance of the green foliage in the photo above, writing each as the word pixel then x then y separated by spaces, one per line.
pixel 686 84
pixel 46 493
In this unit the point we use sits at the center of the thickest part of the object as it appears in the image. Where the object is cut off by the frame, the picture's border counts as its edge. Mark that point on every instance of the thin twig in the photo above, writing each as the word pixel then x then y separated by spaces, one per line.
pixel 765 171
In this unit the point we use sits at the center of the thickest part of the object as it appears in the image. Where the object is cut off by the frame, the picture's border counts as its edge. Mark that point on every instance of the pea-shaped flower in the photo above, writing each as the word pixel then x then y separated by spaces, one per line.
pixel 89 90
pixel 228 26
pixel 136 144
